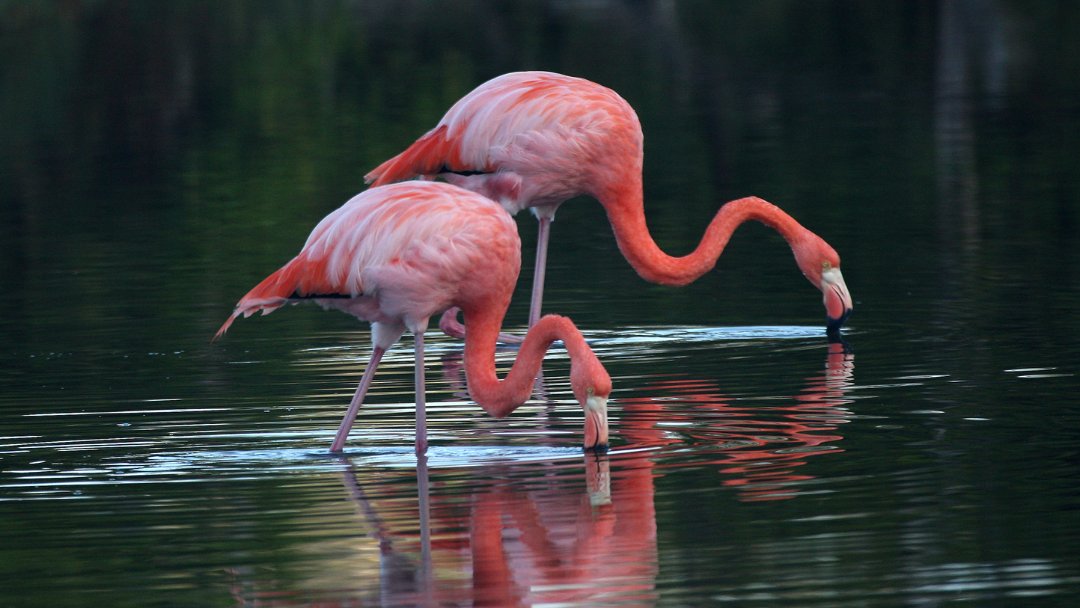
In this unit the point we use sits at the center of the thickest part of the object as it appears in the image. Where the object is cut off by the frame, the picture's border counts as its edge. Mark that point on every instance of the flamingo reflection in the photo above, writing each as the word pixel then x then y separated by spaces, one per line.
pixel 576 533
pixel 533 540
pixel 759 449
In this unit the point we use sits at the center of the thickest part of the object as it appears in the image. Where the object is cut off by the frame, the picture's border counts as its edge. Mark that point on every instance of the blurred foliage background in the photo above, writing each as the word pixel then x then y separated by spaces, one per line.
pixel 216 133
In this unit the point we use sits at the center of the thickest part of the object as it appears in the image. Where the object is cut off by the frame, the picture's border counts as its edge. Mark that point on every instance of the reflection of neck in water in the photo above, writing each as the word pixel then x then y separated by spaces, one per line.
pixel 531 533
pixel 525 537
pixel 757 448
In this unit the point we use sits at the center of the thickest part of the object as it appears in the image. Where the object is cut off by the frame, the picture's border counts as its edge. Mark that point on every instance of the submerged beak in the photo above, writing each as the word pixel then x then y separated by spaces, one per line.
pixel 596 431
pixel 837 301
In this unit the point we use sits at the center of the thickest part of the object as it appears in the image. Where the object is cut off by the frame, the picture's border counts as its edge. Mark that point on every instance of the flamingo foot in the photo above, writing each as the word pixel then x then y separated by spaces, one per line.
pixel 451 326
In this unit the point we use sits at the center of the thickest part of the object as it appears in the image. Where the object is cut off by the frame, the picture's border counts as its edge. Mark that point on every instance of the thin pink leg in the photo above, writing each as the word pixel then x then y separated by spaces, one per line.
pixel 421 412
pixel 541 266
pixel 538 281
pixel 357 400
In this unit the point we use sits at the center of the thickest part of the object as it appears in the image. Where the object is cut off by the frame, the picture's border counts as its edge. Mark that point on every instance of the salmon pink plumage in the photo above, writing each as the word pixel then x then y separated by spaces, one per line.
pixel 399 254
pixel 536 139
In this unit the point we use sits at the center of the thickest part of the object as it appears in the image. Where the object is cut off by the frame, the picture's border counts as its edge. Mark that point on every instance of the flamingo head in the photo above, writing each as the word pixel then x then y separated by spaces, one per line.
pixel 820 264
pixel 592 387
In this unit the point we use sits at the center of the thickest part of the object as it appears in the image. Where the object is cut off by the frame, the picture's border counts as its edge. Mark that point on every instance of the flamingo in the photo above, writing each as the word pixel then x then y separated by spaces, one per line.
pixel 535 139
pixel 398 254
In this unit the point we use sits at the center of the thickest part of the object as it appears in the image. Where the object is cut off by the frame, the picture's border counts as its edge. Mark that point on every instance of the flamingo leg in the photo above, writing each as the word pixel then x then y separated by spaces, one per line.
pixel 421 412
pixel 541 266
pixel 357 400
pixel 450 326
pixel 542 235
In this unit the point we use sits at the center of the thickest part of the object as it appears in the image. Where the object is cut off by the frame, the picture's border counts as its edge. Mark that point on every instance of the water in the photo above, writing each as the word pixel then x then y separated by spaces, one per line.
pixel 160 161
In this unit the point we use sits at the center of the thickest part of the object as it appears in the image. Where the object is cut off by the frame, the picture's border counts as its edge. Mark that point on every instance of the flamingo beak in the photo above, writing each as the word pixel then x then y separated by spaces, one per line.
pixel 596 427
pixel 838 305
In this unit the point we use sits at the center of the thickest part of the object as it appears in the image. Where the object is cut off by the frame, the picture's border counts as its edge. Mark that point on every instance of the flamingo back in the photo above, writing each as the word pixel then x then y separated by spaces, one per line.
pixel 552 131
pixel 399 253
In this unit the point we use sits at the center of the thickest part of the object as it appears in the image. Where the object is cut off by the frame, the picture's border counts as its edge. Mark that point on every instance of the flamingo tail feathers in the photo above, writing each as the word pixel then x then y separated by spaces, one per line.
pixel 431 154
pixel 294 280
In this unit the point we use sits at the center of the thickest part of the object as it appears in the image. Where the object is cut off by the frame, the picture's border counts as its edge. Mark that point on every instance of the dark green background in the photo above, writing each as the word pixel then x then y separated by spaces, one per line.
pixel 157 159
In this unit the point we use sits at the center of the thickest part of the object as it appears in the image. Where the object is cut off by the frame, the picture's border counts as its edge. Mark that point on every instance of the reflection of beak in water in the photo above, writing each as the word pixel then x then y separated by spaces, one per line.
pixel 598 479
pixel 543 546
pixel 757 448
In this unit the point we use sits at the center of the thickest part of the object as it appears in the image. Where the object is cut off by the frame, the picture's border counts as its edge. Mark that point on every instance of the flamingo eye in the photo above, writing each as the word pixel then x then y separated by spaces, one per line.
pixel 825 266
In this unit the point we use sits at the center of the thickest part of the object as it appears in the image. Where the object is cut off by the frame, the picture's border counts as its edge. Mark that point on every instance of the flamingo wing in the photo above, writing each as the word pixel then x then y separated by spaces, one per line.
pixel 408 249
pixel 529 123
pixel 429 155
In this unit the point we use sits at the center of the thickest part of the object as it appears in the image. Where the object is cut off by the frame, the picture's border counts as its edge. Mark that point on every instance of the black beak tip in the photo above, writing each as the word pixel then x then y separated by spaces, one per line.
pixel 600 448
pixel 832 326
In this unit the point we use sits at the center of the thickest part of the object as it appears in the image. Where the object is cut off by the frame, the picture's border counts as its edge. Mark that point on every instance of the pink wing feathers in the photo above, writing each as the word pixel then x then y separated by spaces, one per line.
pixel 416 245
pixel 429 155
pixel 522 122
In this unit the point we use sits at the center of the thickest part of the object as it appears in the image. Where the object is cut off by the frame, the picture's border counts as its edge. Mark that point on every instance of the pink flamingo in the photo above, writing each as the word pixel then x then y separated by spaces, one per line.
pixel 395 256
pixel 535 139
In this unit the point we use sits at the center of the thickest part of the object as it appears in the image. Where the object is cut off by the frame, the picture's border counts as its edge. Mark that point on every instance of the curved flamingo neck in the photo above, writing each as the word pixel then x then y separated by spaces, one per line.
pixel 624 205
pixel 500 397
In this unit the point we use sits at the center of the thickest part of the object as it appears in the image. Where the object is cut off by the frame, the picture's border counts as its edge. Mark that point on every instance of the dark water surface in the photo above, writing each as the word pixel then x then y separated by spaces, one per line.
pixel 160 159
